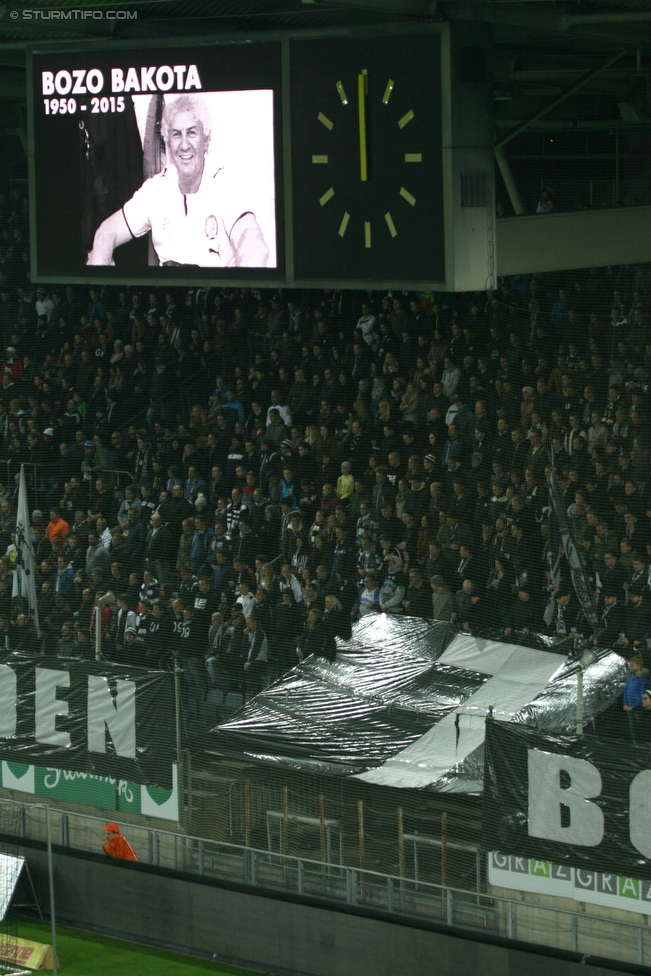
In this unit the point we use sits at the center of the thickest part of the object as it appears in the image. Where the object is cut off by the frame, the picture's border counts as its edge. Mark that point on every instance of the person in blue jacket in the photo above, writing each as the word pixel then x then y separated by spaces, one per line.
pixel 636 685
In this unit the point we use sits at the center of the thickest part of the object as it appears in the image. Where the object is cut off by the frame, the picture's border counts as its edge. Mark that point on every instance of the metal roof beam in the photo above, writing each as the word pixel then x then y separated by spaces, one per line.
pixel 410 8
pixel 581 125
pixel 585 20
pixel 561 98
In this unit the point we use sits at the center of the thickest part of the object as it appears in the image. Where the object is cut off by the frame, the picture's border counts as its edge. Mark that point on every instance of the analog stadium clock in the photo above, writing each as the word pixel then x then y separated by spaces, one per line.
pixel 367 158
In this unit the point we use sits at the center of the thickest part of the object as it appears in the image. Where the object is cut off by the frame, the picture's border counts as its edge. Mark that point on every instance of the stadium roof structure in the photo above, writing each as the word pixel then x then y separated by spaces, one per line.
pixel 406 702
pixel 542 47
pixel 569 78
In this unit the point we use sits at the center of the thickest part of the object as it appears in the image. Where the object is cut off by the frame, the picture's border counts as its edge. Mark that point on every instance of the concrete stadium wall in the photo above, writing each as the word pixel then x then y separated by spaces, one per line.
pixel 595 934
pixel 277 934
pixel 587 239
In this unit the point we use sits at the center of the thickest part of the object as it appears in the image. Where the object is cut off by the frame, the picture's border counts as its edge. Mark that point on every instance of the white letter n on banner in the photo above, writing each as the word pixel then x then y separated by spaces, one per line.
pixel 585 825
pixel 118 716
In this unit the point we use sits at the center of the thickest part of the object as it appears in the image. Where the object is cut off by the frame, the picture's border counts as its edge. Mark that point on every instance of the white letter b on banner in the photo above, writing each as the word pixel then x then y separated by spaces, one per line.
pixel 546 799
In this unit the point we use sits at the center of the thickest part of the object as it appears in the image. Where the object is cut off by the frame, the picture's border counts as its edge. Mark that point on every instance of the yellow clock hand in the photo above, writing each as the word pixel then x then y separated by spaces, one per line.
pixel 362 91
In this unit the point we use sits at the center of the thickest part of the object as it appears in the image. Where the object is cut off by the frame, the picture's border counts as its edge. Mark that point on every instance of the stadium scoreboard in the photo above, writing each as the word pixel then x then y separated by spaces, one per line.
pixel 329 160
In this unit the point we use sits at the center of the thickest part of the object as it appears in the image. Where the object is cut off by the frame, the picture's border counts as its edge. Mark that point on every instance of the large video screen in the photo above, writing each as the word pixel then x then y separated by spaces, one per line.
pixel 161 164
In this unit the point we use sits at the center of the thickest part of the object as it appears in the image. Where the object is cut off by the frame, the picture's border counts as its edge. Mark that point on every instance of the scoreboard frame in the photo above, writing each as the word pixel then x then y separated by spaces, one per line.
pixel 466 144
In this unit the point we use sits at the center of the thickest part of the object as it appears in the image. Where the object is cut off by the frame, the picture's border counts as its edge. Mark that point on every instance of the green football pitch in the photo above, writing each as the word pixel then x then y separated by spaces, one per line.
pixel 84 954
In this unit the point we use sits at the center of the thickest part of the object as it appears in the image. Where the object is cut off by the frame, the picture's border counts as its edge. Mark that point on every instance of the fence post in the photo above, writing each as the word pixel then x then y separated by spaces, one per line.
pixel 65 830
pixel 449 907
pixel 322 831
pixel 444 849
pixel 401 852
pixel 187 776
pixel 50 872
pixel 575 933
pixel 640 945
pixel 509 919
pixel 360 830
pixel 285 831
pixel 478 874
pixel 299 879
pixel 389 894
pixel 200 856
pixel 247 812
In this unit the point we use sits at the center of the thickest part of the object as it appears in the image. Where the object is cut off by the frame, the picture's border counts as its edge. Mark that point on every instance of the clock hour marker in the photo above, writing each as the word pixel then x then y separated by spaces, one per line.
pixel 344 224
pixel 367 233
pixel 328 195
pixel 405 119
pixel 362 91
pixel 390 224
pixel 325 120
pixel 413 157
pixel 319 159
pixel 406 195
pixel 342 93
pixel 387 91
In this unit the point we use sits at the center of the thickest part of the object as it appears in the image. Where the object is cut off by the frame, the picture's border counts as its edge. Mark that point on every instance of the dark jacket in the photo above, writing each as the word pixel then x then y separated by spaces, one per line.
pixel 524 616
pixel 419 600
pixel 158 545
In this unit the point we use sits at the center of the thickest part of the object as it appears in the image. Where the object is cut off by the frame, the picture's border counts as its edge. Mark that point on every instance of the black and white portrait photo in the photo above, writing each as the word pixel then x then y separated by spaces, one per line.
pixel 207 196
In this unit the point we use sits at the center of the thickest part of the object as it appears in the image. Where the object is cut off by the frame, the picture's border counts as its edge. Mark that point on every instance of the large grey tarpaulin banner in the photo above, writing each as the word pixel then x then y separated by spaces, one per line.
pixel 93 717
pixel 567 799
pixel 580 582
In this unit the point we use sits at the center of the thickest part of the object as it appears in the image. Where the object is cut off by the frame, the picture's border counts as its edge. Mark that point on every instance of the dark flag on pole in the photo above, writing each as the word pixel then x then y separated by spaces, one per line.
pixel 24 584
pixel 584 592
pixel 554 559
pixel 554 546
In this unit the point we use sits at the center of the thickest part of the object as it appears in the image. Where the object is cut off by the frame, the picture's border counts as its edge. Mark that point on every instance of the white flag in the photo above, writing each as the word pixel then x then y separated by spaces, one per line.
pixel 24 575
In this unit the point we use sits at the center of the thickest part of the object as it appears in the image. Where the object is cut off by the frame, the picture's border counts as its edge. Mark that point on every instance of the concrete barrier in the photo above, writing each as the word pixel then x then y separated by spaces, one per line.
pixel 283 934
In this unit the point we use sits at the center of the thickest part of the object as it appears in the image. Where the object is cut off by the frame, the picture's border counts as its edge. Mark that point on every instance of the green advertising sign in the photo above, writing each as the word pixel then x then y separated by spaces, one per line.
pixel 91 790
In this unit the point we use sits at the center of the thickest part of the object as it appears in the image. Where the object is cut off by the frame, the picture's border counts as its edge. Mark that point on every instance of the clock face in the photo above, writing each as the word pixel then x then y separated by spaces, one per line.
pixel 367 158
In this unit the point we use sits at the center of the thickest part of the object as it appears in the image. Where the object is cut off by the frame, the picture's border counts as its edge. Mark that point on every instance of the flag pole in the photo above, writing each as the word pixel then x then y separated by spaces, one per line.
pixel 24 583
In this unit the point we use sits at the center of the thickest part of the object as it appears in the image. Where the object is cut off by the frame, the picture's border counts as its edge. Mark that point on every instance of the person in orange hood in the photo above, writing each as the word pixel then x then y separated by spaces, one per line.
pixel 116 844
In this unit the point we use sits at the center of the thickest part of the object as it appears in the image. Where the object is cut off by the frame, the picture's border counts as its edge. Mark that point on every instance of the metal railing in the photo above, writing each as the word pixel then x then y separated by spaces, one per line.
pixel 478 911
pixel 34 474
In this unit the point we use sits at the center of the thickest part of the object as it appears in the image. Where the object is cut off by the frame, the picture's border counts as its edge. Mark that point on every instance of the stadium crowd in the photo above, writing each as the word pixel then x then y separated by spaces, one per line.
pixel 249 472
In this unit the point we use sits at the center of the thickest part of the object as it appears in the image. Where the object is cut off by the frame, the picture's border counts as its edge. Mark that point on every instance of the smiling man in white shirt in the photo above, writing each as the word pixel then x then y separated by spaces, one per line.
pixel 192 211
